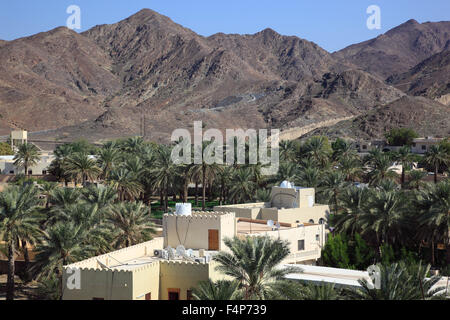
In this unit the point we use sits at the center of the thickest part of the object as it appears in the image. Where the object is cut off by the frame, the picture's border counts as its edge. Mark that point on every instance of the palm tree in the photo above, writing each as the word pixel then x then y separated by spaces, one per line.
pixel 82 167
pixel 103 197
pixel 163 172
pixel 415 178
pixel 64 243
pixel 433 204
pixel 47 188
pixel 318 149
pixel 27 156
pixel 243 187
pixel 436 157
pixel 131 223
pixel 351 167
pixel 313 291
pixel 380 167
pixel 287 172
pixel 398 282
pixel 207 172
pixel 253 263
pixel 125 183
pixel 17 223
pixel 287 151
pixel 343 149
pixel 354 203
pixel 404 157
pixel 332 185
pixel 386 216
pixel 309 177
pixel 108 157
pixel 220 290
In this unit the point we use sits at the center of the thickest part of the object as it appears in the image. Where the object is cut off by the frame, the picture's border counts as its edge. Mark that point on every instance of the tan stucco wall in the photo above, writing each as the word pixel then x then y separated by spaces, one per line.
pixel 192 231
pixel 302 215
pixel 181 275
pixel 250 211
pixel 146 280
pixel 104 284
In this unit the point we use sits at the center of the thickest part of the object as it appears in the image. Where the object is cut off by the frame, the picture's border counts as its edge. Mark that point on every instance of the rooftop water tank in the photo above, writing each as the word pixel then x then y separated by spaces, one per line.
pixel 183 209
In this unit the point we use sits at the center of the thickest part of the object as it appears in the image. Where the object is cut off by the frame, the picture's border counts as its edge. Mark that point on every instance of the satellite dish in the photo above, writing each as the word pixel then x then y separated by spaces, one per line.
pixel 270 223
pixel 278 225
pixel 181 250
pixel 189 252
pixel 171 252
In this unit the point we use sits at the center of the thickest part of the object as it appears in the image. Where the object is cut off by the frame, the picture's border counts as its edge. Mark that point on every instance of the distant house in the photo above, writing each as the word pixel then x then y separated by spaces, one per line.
pixel 422 145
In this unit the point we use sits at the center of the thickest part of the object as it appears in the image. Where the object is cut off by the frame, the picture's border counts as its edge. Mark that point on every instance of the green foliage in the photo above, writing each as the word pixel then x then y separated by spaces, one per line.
pixel 5 149
pixel 401 137
pixel 387 254
pixel 362 255
pixel 335 253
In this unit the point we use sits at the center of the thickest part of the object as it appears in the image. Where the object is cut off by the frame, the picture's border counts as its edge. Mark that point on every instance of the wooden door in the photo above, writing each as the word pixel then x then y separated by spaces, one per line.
pixel 213 240
pixel 173 294
pixel 148 296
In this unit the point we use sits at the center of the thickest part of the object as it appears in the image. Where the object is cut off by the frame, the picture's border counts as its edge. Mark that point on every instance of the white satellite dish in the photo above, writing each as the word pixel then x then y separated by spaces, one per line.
pixel 171 252
pixel 278 226
pixel 181 250
pixel 270 223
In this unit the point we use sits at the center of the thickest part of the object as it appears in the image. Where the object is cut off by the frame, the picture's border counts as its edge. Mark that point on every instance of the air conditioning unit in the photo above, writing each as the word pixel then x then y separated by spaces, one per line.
pixel 158 253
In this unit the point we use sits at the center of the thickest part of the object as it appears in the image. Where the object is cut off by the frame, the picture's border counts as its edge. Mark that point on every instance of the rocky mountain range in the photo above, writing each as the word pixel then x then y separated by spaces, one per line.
pixel 108 81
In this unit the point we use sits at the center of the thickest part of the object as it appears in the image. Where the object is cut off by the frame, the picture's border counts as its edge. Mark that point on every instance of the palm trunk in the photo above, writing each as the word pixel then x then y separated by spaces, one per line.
pixel 185 191
pixel 161 198
pixel 196 193
pixel 204 188
pixel 403 177
pixel 26 258
pixel 435 174
pixel 11 272
pixel 432 253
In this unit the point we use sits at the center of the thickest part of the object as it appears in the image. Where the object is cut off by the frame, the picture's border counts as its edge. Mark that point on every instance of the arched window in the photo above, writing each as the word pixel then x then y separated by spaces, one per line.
pixel 322 221
pixel 311 221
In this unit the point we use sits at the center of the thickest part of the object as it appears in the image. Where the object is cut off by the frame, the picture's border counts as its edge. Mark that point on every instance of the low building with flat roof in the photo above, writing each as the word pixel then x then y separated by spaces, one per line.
pixel 168 267
pixel 289 204
pixel 423 145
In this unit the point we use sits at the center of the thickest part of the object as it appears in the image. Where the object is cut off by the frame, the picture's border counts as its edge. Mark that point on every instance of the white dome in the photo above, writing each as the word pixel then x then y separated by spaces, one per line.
pixel 286 184
pixel 183 209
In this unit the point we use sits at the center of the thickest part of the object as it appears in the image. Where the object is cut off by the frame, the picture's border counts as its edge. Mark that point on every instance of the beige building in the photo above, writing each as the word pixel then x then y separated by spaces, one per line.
pixel 288 204
pixel 423 145
pixel 191 239
pixel 41 168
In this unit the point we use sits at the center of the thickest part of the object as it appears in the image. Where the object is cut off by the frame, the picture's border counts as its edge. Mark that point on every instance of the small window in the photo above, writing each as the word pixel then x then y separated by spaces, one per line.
pixel 311 221
pixel 321 221
pixel 414 144
pixel 364 147
pixel 174 294
pixel 11 172
pixel 317 237
pixel 30 172
pixel 148 296
pixel 424 147
pixel 189 295
pixel 301 245
pixel 44 172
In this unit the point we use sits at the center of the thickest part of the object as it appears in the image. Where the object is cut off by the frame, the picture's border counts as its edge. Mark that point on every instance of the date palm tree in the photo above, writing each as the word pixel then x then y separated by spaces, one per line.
pixel 131 224
pixel 253 262
pixel 404 157
pixel 64 243
pixel 332 185
pixel 415 178
pixel 436 157
pixel 223 290
pixel 163 172
pixel 18 222
pixel 125 183
pixel 354 202
pixel 433 204
pixel 380 167
pixel 108 158
pixel 27 156
pixel 82 167
pixel 242 187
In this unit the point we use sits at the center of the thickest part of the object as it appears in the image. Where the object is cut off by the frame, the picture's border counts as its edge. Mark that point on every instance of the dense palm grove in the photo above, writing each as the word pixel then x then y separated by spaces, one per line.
pixel 395 218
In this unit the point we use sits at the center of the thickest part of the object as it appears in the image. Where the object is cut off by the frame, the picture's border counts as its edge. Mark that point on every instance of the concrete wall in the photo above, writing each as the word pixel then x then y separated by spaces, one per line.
pixel 8 167
pixel 192 231
pixel 249 211
pixel 181 275
pixel 146 280
pixel 296 215
pixel 103 284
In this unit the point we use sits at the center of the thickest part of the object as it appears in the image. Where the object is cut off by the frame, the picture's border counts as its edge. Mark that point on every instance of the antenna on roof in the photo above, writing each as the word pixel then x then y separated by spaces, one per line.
pixel 171 252
pixel 181 251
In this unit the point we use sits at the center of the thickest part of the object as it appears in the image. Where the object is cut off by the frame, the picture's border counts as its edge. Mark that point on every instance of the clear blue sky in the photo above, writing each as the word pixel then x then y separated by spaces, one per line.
pixel 332 24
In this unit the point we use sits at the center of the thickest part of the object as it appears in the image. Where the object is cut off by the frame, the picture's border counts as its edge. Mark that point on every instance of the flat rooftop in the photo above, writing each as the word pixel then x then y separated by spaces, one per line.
pixel 244 227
